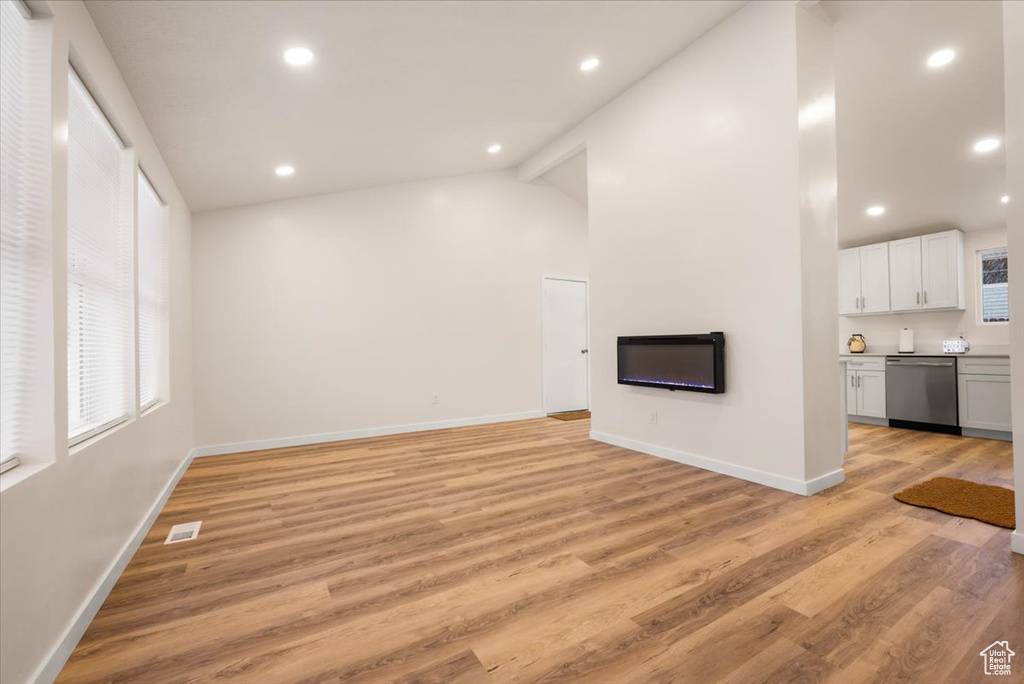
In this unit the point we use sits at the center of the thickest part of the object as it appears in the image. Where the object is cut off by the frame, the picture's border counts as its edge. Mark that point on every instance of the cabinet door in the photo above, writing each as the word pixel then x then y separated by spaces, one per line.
pixel 905 274
pixel 851 393
pixel 874 278
pixel 871 393
pixel 941 271
pixel 985 402
pixel 849 281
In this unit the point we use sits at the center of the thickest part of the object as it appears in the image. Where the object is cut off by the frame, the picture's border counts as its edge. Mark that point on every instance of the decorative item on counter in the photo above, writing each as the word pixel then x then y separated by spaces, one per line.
pixel 957 346
pixel 906 341
pixel 856 344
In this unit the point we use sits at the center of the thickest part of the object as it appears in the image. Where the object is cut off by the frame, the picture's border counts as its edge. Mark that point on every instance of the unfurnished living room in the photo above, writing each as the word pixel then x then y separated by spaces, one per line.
pixel 512 341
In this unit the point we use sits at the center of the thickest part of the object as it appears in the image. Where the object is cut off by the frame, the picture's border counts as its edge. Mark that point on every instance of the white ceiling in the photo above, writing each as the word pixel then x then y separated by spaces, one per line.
pixel 905 132
pixel 399 91
pixel 571 177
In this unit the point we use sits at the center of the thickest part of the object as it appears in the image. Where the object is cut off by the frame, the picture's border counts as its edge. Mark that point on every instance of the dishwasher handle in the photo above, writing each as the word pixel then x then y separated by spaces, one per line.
pixel 941 363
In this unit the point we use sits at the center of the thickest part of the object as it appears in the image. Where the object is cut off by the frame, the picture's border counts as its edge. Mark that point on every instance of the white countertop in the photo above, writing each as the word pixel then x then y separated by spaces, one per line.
pixel 981 351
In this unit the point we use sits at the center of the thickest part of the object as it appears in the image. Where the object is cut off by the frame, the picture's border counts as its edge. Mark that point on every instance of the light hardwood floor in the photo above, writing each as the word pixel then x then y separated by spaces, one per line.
pixel 525 552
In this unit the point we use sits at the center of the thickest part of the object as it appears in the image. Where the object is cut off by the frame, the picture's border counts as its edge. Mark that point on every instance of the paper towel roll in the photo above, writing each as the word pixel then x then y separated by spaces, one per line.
pixel 906 341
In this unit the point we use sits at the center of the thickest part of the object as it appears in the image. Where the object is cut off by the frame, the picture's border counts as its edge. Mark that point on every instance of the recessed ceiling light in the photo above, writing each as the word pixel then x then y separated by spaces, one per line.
pixel 941 58
pixel 876 210
pixel 589 64
pixel 298 56
pixel 1005 199
pixel 986 145
pixel 494 149
pixel 285 170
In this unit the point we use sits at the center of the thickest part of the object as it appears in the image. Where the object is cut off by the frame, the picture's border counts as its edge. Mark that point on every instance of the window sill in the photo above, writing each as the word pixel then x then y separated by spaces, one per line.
pixel 152 406
pixel 85 441
pixel 21 473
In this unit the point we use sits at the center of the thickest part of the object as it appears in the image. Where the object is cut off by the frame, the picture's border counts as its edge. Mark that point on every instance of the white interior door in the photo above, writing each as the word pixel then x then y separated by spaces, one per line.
pixel 566 350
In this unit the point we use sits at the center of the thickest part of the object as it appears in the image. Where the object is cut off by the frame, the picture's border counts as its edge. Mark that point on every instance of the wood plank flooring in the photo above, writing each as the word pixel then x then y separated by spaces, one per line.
pixel 525 552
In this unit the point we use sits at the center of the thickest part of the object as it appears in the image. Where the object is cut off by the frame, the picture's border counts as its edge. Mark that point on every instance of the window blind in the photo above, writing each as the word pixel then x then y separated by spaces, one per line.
pixel 100 276
pixel 26 345
pixel 153 314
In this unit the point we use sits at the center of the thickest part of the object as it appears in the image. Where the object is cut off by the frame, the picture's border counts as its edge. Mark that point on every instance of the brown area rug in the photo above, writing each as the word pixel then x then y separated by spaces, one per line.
pixel 987 503
pixel 570 415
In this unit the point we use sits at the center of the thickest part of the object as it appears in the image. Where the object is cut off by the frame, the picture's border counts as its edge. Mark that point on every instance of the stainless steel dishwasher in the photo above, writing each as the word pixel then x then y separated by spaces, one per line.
pixel 921 389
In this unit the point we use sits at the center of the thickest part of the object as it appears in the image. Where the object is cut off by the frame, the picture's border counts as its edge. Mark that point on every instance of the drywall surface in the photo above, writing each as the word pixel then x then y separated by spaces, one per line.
pixel 64 524
pixel 1013 46
pixel 819 234
pixel 696 224
pixel 355 310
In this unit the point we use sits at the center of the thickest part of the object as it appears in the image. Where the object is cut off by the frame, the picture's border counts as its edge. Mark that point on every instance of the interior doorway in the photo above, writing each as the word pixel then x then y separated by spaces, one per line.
pixel 566 335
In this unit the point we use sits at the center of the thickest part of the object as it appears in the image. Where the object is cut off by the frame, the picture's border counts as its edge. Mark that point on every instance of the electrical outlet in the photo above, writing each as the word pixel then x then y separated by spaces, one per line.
pixel 654 417
pixel 436 399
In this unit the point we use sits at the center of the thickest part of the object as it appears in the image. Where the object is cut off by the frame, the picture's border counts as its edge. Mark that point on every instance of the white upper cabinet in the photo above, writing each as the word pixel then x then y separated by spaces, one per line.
pixel 864 280
pixel 942 270
pixel 849 281
pixel 874 279
pixel 927 272
pixel 905 274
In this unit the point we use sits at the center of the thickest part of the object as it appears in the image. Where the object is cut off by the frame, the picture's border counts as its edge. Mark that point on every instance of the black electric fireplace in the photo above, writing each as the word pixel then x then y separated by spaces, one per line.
pixel 694 363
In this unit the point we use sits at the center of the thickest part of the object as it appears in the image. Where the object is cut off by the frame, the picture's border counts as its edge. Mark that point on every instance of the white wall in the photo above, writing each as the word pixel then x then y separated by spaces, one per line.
pixel 1013 46
pixel 882 332
pixel 349 311
pixel 63 524
pixel 695 225
pixel 819 234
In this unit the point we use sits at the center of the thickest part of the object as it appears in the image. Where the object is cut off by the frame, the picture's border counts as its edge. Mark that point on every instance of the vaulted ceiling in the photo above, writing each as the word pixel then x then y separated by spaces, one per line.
pixel 398 91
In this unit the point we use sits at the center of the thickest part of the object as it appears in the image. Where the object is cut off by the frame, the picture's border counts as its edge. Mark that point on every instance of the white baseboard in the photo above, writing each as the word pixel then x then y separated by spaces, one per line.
pixel 55 661
pixel 826 481
pixel 303 440
pixel 1017 541
pixel 787 484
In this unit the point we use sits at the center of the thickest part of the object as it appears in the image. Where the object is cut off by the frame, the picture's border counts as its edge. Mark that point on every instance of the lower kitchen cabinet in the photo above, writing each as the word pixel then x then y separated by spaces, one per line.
pixel 865 393
pixel 871 393
pixel 984 402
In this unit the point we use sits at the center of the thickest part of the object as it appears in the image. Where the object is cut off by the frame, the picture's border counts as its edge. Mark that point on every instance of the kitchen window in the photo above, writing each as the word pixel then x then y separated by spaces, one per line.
pixel 994 285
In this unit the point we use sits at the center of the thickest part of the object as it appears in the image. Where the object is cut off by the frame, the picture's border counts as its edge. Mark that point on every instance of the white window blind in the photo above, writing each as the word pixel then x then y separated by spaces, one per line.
pixel 26 347
pixel 100 276
pixel 153 314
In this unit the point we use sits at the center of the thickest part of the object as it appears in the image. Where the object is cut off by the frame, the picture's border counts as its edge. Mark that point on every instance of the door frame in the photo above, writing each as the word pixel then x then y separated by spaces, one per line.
pixel 543 370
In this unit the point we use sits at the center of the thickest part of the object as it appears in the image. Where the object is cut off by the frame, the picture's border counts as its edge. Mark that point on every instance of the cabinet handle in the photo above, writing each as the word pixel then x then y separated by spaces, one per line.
pixel 926 296
pixel 858 381
pixel 919 297
pixel 853 381
pixel 862 303
pixel 856 303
